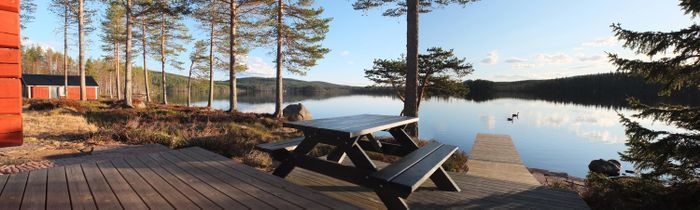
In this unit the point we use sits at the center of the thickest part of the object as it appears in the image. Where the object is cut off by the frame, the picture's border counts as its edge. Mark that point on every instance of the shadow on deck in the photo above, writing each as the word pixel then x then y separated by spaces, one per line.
pixel 496 179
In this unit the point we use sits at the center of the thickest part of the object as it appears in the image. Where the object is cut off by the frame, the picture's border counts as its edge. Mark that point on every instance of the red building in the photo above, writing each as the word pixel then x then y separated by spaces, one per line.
pixel 10 89
pixel 43 86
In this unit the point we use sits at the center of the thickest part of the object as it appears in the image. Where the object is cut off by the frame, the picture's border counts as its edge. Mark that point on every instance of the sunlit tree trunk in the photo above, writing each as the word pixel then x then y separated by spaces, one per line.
pixel 233 95
pixel 211 64
pixel 65 51
pixel 279 85
pixel 189 85
pixel 411 102
pixel 111 93
pixel 81 52
pixel 127 54
pixel 146 79
pixel 162 60
pixel 118 70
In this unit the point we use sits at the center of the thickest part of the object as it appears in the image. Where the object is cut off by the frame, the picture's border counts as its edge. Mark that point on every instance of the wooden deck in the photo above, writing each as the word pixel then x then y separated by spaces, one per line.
pixel 191 178
pixel 496 179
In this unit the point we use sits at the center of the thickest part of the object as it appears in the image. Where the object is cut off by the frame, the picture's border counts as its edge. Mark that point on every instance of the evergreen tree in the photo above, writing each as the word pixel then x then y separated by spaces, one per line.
pixel 243 23
pixel 210 15
pixel 299 30
pixel 169 33
pixel 196 67
pixel 412 9
pixel 27 10
pixel 440 72
pixel 672 154
pixel 113 36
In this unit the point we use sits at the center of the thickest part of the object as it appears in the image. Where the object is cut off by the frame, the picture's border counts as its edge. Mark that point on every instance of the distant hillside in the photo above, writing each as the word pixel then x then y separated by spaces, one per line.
pixel 268 84
pixel 608 89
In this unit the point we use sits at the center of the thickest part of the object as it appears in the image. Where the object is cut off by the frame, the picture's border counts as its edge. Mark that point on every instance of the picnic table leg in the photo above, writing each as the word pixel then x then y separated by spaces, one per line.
pixel 289 163
pixel 358 156
pixel 391 201
pixel 440 177
pixel 337 155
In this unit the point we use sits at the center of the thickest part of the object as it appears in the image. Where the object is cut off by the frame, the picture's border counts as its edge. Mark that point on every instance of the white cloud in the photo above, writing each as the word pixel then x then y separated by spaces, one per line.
pixel 492 58
pixel 601 42
pixel 516 60
pixel 592 58
pixel 345 53
pixel 258 67
pixel 29 42
pixel 557 58
pixel 525 65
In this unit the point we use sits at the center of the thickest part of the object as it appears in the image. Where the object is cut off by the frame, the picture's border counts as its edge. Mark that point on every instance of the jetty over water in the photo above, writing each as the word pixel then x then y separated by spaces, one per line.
pixel 496 178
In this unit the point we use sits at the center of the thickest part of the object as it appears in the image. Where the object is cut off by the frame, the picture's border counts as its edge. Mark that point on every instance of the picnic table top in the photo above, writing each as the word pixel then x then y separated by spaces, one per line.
pixel 352 126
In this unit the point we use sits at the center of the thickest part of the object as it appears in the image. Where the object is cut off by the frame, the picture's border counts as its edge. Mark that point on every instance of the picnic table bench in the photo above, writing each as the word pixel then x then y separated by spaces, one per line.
pixel 352 136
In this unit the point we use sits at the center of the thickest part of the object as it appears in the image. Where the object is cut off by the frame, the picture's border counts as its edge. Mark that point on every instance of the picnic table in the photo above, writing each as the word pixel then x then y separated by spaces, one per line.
pixel 352 137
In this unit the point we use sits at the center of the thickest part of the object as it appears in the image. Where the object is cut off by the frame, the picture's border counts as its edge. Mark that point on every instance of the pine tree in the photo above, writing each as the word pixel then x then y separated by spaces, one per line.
pixel 242 25
pixel 210 15
pixel 169 33
pixel 668 154
pixel 27 10
pixel 412 9
pixel 299 30
pixel 196 67
pixel 113 36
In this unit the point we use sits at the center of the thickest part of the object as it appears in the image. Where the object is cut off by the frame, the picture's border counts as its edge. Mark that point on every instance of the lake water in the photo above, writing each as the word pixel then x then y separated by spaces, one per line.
pixel 561 137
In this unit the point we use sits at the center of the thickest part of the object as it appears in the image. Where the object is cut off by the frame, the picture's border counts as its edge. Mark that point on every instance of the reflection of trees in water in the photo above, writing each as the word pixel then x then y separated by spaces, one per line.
pixel 605 90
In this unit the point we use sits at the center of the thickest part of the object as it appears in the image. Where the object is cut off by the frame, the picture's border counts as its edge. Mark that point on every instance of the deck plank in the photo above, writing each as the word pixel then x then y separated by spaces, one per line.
pixel 174 197
pixel 127 196
pixel 218 182
pixel 189 179
pixel 101 191
pixel 206 190
pixel 80 195
pixel 11 197
pixel 35 192
pixel 148 194
pixel 285 196
pixel 319 198
pixel 184 188
pixel 57 189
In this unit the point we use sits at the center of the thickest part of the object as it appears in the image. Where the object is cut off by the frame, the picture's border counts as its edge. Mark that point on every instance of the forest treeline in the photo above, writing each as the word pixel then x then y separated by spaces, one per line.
pixel 605 89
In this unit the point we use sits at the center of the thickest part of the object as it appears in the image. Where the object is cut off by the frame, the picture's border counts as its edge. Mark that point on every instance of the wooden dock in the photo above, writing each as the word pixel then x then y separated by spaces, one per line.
pixel 191 178
pixel 497 178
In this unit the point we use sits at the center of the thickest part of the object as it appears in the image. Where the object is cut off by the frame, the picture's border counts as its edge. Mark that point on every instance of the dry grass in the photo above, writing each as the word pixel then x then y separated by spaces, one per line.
pixel 57 124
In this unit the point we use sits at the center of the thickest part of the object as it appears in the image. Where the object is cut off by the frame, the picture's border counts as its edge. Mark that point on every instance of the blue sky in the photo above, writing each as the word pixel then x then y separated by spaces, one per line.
pixel 505 40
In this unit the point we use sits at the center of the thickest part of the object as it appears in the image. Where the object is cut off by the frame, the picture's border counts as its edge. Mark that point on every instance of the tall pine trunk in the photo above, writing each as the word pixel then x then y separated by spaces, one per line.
pixel 81 51
pixel 211 64
pixel 111 93
pixel 410 107
pixel 279 85
pixel 118 69
pixel 162 60
pixel 233 95
pixel 146 79
pixel 65 51
pixel 127 54
pixel 189 85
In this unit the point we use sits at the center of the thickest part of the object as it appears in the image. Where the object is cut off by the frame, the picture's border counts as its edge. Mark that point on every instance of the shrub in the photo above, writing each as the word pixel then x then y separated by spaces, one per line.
pixel 603 192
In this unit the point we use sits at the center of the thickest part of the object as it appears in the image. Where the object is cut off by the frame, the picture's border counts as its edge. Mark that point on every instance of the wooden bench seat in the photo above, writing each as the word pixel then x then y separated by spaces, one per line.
pixel 404 176
pixel 279 150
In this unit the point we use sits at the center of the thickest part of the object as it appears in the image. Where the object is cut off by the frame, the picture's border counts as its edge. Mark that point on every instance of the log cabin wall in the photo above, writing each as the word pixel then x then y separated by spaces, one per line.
pixel 10 75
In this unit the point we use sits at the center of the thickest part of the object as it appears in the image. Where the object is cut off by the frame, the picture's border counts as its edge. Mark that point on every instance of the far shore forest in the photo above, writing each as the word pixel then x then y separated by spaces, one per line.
pixel 663 88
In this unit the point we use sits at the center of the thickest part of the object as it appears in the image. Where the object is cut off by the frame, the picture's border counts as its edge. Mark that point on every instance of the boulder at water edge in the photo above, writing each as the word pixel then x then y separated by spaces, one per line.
pixel 607 167
pixel 296 112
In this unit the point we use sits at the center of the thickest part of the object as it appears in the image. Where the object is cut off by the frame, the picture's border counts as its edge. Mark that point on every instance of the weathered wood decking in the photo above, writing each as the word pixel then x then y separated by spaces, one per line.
pixel 190 178
pixel 496 179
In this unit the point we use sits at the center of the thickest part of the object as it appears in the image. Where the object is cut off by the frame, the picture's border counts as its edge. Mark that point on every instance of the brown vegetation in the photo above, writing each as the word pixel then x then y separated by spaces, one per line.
pixel 603 192
pixel 229 134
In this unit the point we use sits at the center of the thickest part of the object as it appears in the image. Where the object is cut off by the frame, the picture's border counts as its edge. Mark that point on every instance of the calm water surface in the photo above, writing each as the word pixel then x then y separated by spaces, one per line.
pixel 553 136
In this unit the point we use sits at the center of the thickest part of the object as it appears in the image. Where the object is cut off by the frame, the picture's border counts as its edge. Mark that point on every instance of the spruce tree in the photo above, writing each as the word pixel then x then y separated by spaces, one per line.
pixel 673 155
pixel 299 30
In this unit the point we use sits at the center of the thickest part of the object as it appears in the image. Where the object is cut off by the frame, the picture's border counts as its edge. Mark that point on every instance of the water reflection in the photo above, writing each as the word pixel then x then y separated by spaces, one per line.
pixel 554 136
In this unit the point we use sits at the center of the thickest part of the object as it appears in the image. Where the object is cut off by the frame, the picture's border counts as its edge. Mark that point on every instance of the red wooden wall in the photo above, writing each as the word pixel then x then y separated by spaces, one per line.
pixel 10 73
